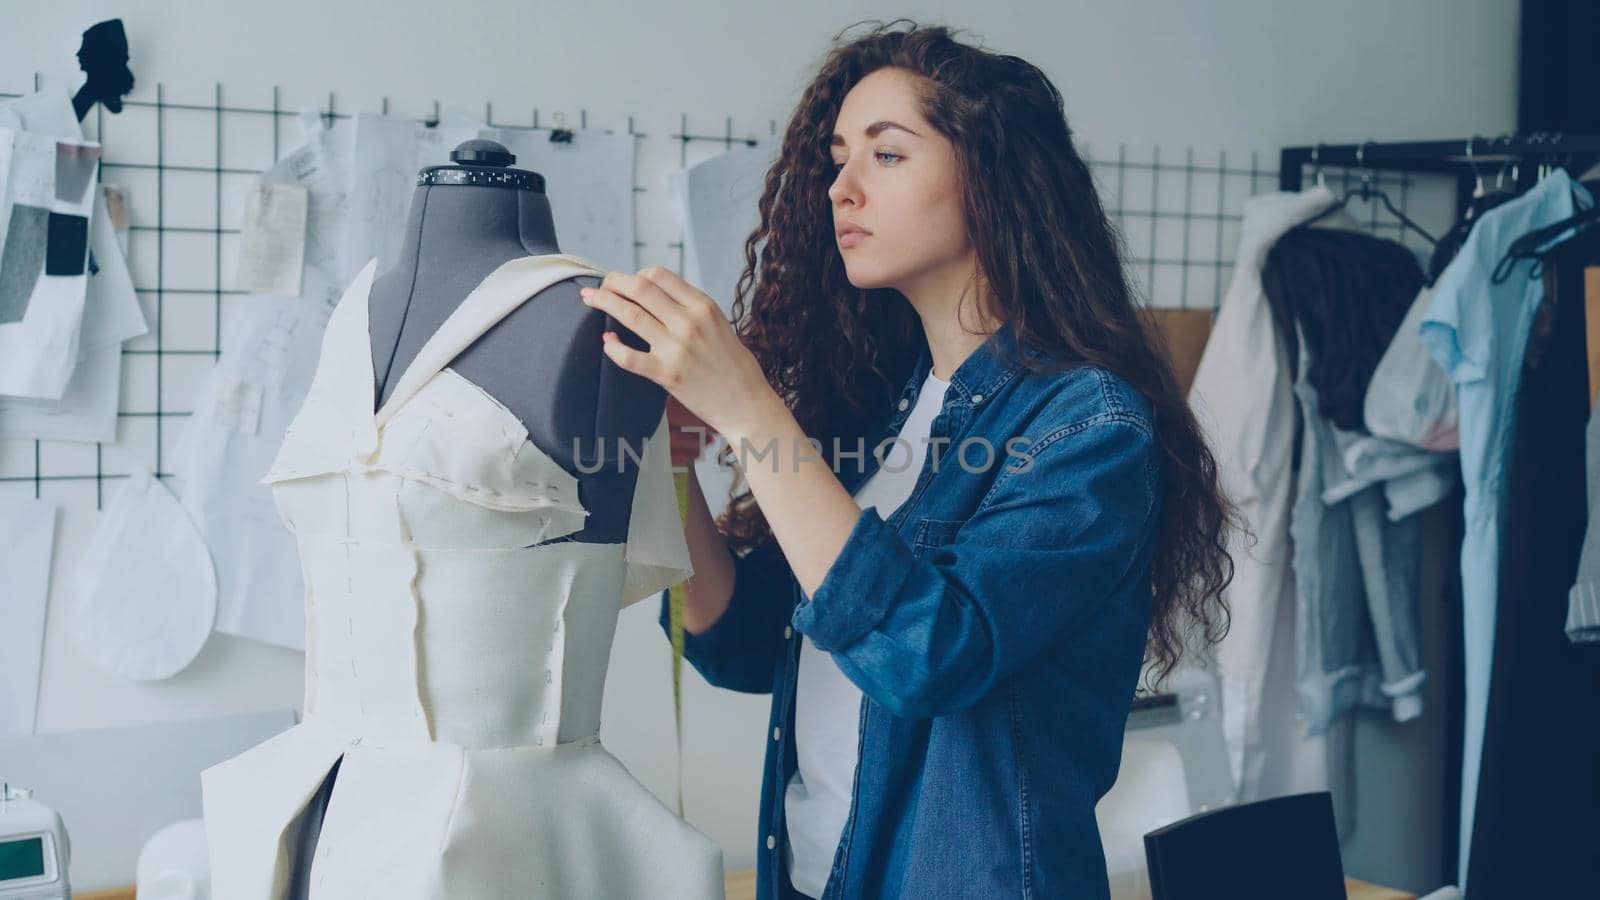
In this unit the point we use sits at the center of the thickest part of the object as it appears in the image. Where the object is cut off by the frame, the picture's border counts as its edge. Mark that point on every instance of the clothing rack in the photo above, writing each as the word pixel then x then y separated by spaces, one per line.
pixel 1464 163
pixel 1466 160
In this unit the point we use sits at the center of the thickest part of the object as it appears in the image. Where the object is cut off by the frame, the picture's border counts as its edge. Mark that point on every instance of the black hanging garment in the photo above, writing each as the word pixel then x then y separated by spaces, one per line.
pixel 1537 828
pixel 1348 292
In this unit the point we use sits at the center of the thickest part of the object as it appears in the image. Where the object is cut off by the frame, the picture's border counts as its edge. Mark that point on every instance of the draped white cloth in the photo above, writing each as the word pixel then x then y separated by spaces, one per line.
pixel 455 656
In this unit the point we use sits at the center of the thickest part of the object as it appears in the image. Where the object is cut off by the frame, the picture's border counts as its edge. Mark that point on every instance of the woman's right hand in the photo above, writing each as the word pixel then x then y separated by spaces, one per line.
pixel 690 434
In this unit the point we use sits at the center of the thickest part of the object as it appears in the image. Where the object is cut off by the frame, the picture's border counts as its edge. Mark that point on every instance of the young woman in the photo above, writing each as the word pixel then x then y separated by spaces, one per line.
pixel 952 633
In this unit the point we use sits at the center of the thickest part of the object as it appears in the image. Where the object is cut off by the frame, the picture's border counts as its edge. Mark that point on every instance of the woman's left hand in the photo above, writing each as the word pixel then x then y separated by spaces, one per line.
pixel 694 354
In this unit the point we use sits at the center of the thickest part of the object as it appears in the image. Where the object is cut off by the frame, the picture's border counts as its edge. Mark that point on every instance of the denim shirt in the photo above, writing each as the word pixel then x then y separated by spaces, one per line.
pixel 996 624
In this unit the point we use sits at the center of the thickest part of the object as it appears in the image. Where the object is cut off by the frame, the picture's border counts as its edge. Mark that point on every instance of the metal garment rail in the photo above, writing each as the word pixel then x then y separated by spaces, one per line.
pixel 1466 160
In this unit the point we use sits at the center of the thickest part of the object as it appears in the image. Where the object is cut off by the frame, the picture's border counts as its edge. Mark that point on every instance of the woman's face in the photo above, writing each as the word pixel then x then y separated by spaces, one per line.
pixel 896 179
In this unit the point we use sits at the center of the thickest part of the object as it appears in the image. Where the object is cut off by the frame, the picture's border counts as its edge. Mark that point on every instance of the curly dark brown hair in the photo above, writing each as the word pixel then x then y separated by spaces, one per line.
pixel 838 354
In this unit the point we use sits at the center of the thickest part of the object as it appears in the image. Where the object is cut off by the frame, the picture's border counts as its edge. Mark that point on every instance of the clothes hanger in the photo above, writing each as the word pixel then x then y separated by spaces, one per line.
pixel 1590 174
pixel 1481 201
pixel 1539 243
pixel 1367 191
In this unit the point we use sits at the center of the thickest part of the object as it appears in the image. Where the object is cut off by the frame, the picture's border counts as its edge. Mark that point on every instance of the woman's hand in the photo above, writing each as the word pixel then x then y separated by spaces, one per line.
pixel 697 356
pixel 694 352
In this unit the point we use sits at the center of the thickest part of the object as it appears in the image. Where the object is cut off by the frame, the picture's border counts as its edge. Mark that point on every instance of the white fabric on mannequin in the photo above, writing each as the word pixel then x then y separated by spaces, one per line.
pixel 657 551
pixel 456 651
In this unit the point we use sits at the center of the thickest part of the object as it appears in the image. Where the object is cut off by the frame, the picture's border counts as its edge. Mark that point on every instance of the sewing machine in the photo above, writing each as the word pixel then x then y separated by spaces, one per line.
pixel 33 848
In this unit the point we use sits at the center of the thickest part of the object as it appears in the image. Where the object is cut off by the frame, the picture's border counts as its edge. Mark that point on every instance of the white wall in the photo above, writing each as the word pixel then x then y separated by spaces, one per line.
pixel 1239 75
pixel 1231 74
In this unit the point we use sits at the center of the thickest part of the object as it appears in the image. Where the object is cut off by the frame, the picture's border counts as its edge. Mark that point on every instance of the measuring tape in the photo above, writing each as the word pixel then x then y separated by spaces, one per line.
pixel 675 601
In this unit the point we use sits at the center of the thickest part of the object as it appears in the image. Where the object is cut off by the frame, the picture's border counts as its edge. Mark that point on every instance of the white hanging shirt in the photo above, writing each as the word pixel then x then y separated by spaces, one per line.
pixel 827 710
pixel 455 656
pixel 1243 399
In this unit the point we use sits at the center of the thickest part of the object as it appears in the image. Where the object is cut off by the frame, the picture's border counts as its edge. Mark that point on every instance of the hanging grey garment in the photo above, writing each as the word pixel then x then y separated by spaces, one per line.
pixel 1583 602
pixel 1356 575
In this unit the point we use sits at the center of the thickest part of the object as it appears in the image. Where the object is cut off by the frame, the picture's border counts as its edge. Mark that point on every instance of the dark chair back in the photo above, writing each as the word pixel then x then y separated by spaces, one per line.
pixel 1278 848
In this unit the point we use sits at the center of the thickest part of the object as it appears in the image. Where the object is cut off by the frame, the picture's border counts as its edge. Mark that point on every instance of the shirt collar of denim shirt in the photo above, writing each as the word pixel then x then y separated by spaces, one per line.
pixel 983 372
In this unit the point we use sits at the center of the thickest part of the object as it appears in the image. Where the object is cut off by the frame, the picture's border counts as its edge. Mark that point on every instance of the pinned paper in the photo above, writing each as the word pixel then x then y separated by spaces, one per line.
pixel 21 260
pixel 41 306
pixel 33 170
pixel 589 183
pixel 66 244
pixel 241 414
pixel 121 216
pixel 322 166
pixel 237 404
pixel 718 203
pixel 87 410
pixel 75 168
pixel 272 239
pixel 27 534
pixel 389 151
pixel 146 592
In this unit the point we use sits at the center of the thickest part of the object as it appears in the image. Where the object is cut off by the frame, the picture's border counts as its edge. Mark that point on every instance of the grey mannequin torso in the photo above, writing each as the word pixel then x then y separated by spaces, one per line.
pixel 543 361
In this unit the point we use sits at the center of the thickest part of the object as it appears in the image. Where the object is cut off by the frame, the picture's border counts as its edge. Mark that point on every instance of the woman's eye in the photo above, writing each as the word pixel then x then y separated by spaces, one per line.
pixel 878 154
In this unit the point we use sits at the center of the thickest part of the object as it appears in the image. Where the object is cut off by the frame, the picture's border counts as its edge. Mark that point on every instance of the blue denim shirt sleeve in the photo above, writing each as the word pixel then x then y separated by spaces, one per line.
pixel 741 649
pixel 928 636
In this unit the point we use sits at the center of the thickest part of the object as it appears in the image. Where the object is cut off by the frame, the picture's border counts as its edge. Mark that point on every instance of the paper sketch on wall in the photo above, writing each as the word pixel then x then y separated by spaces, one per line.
pixel 87 410
pixel 322 165
pixel 716 202
pixel 145 592
pixel 27 537
pixel 589 183
pixel 388 152
pixel 717 206
pixel 48 197
pixel 241 412
pixel 272 239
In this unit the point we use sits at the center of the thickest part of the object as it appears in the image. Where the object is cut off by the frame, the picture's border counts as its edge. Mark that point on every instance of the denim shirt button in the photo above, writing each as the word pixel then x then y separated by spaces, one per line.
pixel 777 732
pixel 904 403
pixel 977 398
pixel 787 632
pixel 771 842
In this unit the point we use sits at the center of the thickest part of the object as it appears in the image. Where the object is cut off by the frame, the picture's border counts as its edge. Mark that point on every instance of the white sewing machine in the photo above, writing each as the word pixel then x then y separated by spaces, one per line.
pixel 33 849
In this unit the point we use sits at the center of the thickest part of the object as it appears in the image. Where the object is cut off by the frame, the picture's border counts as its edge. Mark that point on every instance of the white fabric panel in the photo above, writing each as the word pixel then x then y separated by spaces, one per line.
pixel 658 552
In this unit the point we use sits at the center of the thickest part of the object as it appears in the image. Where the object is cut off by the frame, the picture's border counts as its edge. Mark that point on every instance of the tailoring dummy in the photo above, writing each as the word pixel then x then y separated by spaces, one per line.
pixel 543 360
pixel 476 491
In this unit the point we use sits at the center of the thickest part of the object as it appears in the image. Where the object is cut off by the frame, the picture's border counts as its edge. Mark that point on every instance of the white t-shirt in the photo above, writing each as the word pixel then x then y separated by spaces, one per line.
pixel 827 703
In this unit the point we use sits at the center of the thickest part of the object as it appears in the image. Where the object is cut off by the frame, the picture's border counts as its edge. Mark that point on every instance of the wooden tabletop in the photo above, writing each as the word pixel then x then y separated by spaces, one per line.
pixel 1361 890
pixel 741 885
